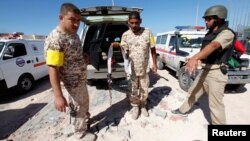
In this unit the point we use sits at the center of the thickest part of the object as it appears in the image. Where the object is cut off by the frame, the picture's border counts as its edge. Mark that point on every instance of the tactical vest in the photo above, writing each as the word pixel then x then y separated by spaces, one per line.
pixel 218 56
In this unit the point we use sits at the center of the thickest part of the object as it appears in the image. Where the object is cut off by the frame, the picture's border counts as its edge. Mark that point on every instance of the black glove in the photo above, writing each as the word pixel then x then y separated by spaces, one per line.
pixel 109 78
pixel 223 69
pixel 126 54
pixel 72 110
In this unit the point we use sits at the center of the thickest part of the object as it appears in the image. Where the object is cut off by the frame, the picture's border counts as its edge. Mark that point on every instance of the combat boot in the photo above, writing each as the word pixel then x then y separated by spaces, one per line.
pixel 144 111
pixel 135 112
pixel 178 112
pixel 88 137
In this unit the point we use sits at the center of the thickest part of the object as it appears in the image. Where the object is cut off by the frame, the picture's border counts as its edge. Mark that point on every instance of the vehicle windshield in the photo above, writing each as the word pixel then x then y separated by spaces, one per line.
pixel 1 46
pixel 105 18
pixel 191 41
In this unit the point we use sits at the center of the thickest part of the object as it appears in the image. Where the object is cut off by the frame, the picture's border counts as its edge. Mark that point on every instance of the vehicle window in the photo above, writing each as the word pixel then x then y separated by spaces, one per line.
pixel 172 41
pixel 163 39
pixel 37 47
pixel 89 37
pixel 190 42
pixel 1 46
pixel 117 39
pixel 113 33
pixel 158 39
pixel 18 49
pixel 99 33
pixel 34 47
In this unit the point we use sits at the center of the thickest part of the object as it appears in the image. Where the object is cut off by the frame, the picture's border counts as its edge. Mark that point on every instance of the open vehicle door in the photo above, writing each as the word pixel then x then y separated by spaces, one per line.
pixel 97 20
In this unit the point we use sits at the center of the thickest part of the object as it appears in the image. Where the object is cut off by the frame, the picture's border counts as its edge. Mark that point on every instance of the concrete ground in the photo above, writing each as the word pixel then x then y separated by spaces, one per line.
pixel 114 123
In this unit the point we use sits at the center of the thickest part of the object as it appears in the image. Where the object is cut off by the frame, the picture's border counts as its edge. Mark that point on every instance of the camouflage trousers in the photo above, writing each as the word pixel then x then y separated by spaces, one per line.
pixel 78 100
pixel 139 90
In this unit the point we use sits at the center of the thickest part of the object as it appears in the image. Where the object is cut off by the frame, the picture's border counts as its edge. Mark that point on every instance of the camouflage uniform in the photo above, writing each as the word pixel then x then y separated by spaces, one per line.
pixel 138 45
pixel 65 51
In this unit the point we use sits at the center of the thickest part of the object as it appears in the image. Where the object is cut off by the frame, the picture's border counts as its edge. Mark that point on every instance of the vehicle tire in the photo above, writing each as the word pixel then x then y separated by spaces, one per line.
pixel 25 83
pixel 235 88
pixel 185 80
pixel 160 63
pixel 90 82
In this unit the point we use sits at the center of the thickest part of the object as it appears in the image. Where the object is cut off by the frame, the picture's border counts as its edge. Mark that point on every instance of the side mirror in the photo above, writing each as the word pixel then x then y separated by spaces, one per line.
pixel 195 45
pixel 172 47
pixel 9 53
pixel 11 49
pixel 177 33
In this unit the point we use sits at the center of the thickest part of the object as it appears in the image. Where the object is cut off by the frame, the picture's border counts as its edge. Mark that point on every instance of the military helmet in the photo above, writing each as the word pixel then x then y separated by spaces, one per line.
pixel 218 10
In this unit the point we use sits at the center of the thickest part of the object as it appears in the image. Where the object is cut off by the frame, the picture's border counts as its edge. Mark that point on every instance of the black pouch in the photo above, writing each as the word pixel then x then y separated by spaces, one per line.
pixel 223 69
pixel 72 110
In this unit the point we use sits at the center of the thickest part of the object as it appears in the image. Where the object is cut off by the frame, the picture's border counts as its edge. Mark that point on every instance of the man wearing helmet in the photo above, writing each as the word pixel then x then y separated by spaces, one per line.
pixel 214 53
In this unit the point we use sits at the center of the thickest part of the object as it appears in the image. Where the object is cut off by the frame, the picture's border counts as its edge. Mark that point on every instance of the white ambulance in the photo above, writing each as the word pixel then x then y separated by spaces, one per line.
pixel 173 47
pixel 22 62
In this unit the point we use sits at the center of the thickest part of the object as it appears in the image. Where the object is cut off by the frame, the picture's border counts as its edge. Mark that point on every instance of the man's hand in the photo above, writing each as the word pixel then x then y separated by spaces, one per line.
pixel 187 59
pixel 86 58
pixel 191 65
pixel 115 45
pixel 154 68
pixel 61 103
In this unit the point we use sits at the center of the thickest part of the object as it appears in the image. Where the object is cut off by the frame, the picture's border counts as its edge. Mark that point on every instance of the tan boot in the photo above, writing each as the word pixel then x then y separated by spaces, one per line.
pixel 134 112
pixel 88 137
pixel 144 111
pixel 82 136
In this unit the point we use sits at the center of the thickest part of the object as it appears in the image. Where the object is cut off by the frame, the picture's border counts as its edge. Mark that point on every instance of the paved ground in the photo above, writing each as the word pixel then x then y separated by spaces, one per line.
pixel 113 122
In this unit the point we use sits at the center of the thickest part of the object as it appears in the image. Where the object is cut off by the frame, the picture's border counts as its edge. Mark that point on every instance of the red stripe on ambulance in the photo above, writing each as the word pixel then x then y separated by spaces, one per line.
pixel 39 64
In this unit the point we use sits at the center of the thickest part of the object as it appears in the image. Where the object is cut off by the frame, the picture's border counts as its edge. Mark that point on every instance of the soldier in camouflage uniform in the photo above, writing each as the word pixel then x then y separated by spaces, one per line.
pixel 137 43
pixel 67 63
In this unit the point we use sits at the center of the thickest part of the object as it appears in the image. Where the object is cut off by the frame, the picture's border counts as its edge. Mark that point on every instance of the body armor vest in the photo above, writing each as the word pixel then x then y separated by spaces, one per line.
pixel 218 56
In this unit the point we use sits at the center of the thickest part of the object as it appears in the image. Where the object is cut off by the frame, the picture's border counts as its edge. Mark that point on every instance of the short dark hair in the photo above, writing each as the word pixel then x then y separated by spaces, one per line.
pixel 69 7
pixel 134 15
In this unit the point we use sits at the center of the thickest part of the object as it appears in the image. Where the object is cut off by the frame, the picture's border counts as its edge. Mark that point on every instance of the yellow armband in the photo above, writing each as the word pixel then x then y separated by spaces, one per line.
pixel 54 57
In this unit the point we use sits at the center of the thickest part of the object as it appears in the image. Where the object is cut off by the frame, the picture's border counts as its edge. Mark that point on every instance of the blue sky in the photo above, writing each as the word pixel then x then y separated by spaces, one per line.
pixel 41 16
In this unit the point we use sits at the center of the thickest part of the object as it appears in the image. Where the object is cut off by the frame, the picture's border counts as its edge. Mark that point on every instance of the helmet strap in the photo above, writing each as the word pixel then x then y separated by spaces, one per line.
pixel 217 23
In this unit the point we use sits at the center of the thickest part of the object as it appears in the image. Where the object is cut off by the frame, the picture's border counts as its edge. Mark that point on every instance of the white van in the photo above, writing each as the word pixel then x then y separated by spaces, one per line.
pixel 22 62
